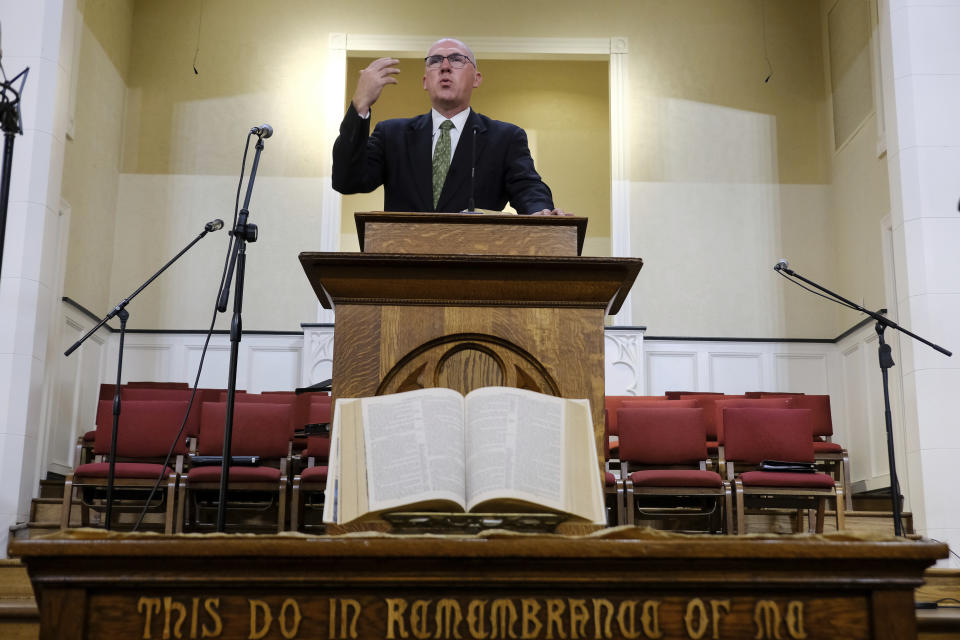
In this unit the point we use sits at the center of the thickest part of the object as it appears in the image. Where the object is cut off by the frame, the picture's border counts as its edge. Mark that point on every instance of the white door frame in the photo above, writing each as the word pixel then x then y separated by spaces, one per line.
pixel 613 49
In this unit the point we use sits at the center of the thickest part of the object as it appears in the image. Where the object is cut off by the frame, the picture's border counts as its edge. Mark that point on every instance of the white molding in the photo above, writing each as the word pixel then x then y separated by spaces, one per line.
pixel 487 47
pixel 623 363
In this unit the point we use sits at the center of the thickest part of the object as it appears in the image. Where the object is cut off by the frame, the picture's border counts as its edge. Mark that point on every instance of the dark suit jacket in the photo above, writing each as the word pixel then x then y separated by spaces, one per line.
pixel 398 155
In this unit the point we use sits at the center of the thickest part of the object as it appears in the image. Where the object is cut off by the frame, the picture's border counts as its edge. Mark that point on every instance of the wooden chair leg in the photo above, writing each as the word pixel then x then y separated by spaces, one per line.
pixel 845 474
pixel 282 505
pixel 621 499
pixel 631 506
pixel 181 505
pixel 67 502
pixel 295 505
pixel 821 509
pixel 728 508
pixel 841 516
pixel 171 494
pixel 741 526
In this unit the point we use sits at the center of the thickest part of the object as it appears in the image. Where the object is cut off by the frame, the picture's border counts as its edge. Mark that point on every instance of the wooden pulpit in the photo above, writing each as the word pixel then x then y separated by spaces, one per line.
pixel 468 301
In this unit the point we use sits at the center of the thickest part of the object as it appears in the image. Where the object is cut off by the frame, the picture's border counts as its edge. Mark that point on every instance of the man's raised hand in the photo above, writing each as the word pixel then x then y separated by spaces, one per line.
pixel 373 79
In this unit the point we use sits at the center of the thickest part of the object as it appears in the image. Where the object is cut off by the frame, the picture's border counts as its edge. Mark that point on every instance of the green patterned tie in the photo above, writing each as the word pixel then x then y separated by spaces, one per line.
pixel 441 160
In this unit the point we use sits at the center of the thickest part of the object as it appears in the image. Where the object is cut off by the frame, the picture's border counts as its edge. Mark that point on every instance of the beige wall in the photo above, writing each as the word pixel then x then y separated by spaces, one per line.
pixel 92 157
pixel 860 194
pixel 727 173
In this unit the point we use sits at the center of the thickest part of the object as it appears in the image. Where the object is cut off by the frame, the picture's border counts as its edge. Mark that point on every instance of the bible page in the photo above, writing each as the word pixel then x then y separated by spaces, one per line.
pixel 515 447
pixel 583 491
pixel 333 468
pixel 414 448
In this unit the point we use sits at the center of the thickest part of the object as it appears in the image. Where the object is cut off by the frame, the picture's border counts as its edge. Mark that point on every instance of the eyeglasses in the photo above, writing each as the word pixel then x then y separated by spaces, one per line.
pixel 456 60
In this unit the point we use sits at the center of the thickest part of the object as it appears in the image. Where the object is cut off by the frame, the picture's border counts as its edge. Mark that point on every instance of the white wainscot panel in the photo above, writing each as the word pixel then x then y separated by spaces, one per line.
pixel 273 368
pixel 671 371
pixel 623 363
pixel 216 364
pixel 801 373
pixel 142 362
pixel 734 373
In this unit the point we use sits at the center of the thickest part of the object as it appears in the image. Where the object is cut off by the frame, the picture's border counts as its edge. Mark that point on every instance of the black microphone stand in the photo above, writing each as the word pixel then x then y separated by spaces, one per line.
pixel 242 233
pixel 886 362
pixel 11 124
pixel 120 311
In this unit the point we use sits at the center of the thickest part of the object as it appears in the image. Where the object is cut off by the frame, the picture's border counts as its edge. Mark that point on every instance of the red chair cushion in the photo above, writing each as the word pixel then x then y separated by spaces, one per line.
pixel 315 474
pixel 89 436
pixel 122 470
pixel 755 434
pixel 237 474
pixel 654 435
pixel 780 479
pixel 677 478
pixel 827 447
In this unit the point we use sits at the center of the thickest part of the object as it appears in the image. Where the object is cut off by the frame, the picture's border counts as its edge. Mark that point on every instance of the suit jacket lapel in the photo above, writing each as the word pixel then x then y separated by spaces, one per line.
pixel 458 178
pixel 419 133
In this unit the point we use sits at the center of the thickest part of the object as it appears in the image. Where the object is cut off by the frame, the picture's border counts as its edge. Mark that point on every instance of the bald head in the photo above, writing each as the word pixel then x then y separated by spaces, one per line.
pixel 450 86
pixel 458 44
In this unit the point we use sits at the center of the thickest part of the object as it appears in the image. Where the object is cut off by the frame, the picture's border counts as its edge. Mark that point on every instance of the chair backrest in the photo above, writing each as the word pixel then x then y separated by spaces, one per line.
pixel 642 401
pixel 317 447
pixel 707 402
pixel 259 429
pixel 773 394
pixel 819 405
pixel 757 434
pixel 299 405
pixel 676 395
pixel 717 407
pixel 147 428
pixel 157 394
pixel 653 435
pixel 319 410
pixel 149 384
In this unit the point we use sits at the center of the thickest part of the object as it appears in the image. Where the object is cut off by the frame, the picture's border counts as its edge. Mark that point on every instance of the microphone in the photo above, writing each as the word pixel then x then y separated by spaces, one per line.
pixel 473 169
pixel 264 131
pixel 784 266
pixel 213 225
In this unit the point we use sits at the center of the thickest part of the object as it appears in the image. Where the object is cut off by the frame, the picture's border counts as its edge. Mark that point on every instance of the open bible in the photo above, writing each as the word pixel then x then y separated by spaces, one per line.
pixel 495 450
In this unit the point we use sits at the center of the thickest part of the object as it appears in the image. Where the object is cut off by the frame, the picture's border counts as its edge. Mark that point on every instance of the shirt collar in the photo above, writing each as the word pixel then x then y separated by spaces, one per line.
pixel 459 120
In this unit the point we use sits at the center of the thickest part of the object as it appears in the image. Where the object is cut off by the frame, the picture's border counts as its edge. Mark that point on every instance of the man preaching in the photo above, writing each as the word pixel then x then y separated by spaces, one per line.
pixel 424 163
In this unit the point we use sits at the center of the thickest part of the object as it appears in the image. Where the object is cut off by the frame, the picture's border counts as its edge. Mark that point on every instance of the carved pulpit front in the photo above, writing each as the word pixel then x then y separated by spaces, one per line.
pixel 442 309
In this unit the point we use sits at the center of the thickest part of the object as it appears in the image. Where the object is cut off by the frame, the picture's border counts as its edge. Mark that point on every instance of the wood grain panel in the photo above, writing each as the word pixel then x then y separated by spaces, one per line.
pixel 109 585
pixel 473 240
pixel 356 351
pixel 453 233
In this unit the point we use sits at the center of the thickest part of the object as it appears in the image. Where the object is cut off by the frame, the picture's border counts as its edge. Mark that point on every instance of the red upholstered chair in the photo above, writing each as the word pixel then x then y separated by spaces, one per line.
pixel 612 483
pixel 151 391
pixel 145 433
pixel 663 452
pixel 311 481
pixel 676 395
pixel 715 419
pixel 754 435
pixel 151 384
pixel 259 429
pixel 639 401
pixel 831 455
